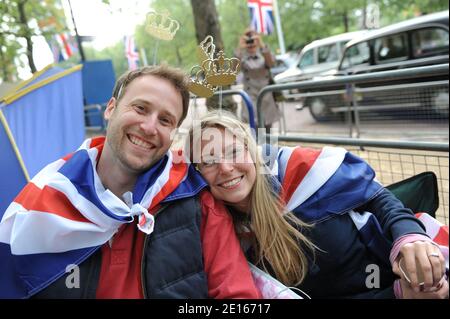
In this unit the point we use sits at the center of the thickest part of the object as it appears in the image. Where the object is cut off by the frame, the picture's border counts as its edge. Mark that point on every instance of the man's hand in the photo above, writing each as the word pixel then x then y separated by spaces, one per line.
pixel 440 293
pixel 258 41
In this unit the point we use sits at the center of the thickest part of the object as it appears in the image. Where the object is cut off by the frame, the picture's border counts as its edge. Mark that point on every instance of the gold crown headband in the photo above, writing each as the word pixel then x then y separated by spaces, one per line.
pixel 161 26
pixel 212 72
pixel 206 49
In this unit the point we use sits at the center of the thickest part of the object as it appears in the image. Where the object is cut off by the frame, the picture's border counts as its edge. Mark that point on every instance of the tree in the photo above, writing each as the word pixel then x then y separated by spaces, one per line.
pixel 20 20
pixel 207 23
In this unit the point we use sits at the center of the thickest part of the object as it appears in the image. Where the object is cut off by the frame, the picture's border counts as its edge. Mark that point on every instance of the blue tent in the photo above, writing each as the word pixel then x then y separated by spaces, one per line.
pixel 41 120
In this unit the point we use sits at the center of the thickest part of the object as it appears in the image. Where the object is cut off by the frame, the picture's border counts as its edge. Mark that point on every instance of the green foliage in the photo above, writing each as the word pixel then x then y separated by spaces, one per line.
pixel 45 17
pixel 181 50
pixel 302 22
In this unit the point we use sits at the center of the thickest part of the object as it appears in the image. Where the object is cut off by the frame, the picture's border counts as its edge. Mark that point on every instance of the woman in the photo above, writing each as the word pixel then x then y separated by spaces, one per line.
pixel 256 61
pixel 336 253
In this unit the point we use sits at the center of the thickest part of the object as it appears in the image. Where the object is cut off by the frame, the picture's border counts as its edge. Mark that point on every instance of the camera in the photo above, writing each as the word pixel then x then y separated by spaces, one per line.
pixel 250 40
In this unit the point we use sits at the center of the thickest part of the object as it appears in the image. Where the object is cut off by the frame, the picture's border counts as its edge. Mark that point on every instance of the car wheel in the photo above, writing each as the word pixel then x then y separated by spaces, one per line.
pixel 319 109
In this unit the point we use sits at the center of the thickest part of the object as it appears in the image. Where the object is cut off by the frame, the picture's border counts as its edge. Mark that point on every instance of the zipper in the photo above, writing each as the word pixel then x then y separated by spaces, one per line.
pixel 144 290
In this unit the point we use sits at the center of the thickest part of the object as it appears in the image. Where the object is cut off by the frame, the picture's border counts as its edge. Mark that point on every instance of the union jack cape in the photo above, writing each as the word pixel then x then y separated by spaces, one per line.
pixel 64 214
pixel 319 184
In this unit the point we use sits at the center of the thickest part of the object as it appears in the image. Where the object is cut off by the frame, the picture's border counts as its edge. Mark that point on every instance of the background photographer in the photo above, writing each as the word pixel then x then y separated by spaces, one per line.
pixel 256 61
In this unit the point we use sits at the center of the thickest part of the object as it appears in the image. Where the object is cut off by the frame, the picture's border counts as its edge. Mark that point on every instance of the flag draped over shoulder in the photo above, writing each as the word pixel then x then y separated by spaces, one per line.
pixel 316 183
pixel 64 214
pixel 131 52
pixel 261 16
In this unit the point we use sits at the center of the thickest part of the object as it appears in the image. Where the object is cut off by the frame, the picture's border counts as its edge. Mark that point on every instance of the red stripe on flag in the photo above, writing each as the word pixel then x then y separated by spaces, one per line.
pixel 66 45
pixel 442 236
pixel 299 164
pixel 48 200
pixel 176 175
pixel 68 157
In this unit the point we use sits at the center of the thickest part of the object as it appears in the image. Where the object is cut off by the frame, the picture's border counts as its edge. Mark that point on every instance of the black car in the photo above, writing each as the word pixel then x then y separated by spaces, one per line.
pixel 416 42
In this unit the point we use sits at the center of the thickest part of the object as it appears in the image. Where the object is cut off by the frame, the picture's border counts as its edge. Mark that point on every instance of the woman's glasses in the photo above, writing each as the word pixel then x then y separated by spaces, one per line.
pixel 209 163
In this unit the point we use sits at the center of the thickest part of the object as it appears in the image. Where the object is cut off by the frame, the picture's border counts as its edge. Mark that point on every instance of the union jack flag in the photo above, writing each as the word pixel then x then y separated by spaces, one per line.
pixel 314 183
pixel 131 52
pixel 261 15
pixel 64 214
pixel 62 46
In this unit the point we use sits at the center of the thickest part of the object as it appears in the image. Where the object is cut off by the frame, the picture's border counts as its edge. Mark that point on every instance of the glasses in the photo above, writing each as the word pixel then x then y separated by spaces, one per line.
pixel 210 162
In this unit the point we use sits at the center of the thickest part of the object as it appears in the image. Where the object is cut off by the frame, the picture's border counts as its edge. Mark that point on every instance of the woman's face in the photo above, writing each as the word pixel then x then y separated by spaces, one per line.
pixel 227 166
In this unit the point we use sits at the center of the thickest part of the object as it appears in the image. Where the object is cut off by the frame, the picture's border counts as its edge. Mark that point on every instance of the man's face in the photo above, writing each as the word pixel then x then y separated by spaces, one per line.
pixel 141 123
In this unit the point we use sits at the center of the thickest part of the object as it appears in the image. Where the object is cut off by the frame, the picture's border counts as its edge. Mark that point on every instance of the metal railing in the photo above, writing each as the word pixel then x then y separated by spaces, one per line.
pixel 392 160
pixel 365 103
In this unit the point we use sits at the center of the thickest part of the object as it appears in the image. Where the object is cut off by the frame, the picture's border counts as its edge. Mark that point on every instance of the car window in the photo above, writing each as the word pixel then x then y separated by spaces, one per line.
pixel 342 45
pixel 328 53
pixel 356 55
pixel 280 63
pixel 307 59
pixel 430 41
pixel 391 47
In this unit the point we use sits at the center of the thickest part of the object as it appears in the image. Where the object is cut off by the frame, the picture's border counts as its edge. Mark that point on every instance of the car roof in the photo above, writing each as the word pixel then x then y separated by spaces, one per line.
pixel 409 24
pixel 334 38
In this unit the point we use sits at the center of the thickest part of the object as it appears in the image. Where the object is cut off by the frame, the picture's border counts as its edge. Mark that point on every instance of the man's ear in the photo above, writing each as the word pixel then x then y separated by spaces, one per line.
pixel 110 108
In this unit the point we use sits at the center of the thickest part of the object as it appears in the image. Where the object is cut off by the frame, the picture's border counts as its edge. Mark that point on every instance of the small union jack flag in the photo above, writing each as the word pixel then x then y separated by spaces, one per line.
pixel 131 53
pixel 261 15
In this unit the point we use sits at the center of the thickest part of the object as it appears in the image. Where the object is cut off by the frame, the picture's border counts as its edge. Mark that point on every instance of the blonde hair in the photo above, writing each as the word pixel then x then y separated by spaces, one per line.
pixel 278 233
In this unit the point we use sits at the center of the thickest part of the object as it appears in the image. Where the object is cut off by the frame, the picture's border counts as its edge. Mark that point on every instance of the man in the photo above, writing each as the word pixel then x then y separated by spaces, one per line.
pixel 72 232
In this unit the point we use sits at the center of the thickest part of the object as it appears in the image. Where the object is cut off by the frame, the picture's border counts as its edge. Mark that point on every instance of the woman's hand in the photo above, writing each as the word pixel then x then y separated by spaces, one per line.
pixel 425 255
pixel 440 293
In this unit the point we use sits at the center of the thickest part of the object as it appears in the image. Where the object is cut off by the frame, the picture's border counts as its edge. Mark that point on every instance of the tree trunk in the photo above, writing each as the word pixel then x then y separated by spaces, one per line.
pixel 345 16
pixel 178 54
pixel 364 13
pixel 207 23
pixel 3 64
pixel 26 34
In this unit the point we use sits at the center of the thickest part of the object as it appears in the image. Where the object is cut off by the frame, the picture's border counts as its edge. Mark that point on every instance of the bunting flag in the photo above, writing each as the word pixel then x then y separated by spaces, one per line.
pixel 64 214
pixel 131 52
pixel 261 16
pixel 63 47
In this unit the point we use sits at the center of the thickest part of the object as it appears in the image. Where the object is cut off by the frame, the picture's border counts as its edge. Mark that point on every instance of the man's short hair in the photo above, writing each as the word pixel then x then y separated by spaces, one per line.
pixel 177 77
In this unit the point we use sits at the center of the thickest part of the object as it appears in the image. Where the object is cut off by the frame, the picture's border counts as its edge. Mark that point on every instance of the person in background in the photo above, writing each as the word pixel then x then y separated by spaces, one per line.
pixel 123 216
pixel 316 219
pixel 256 61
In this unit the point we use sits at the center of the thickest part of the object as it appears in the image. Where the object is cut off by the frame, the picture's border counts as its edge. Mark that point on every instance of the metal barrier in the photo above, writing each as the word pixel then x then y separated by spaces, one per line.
pixel 93 118
pixel 247 101
pixel 365 103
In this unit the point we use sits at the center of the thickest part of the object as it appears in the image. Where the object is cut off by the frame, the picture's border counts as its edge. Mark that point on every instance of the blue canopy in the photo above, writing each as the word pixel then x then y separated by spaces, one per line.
pixel 41 120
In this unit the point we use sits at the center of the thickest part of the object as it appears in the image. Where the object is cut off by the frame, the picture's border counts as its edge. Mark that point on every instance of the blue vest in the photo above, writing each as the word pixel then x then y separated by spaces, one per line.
pixel 172 260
